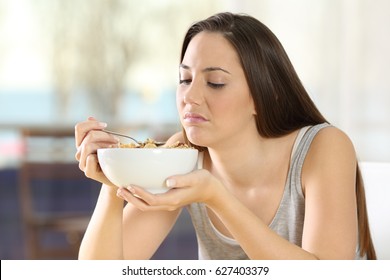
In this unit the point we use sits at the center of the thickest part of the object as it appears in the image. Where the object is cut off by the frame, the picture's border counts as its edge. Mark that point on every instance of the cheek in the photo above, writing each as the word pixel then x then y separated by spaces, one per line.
pixel 231 105
pixel 179 100
pixel 235 110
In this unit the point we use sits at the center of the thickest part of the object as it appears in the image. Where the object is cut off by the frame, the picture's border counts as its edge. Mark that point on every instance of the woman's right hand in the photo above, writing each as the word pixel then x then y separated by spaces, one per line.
pixel 90 137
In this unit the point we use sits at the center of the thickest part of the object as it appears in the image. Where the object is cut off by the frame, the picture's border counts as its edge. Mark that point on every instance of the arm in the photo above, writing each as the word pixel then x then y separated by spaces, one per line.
pixel 143 232
pixel 115 231
pixel 329 184
pixel 103 238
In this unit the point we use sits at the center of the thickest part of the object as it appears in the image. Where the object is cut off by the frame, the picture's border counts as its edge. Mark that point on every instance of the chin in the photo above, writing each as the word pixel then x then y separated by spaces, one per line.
pixel 195 137
pixel 196 142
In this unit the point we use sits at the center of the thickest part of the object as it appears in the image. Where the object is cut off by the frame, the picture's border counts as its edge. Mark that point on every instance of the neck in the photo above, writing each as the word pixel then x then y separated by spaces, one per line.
pixel 251 161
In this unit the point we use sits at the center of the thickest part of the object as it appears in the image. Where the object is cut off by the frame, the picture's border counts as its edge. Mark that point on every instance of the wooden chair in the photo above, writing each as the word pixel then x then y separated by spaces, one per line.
pixel 53 227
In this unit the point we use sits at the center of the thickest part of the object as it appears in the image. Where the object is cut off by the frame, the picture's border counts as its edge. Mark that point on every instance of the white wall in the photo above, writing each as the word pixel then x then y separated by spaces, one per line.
pixel 340 49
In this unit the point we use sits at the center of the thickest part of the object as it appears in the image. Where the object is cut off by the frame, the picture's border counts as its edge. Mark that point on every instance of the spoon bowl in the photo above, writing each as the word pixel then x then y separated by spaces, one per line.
pixel 140 143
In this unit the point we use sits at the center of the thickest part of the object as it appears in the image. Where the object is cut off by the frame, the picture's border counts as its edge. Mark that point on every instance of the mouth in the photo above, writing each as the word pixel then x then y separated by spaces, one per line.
pixel 193 118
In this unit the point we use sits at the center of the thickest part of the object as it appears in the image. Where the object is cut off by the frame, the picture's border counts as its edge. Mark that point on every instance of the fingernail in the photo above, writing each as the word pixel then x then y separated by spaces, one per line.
pixel 131 189
pixel 170 183
pixel 102 124
pixel 119 193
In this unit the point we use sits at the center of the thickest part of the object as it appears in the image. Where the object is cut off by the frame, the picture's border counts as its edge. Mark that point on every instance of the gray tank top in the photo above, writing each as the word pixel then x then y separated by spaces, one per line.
pixel 287 222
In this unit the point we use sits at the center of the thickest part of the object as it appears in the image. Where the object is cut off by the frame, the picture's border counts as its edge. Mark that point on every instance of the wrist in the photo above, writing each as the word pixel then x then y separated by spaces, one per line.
pixel 109 190
pixel 218 197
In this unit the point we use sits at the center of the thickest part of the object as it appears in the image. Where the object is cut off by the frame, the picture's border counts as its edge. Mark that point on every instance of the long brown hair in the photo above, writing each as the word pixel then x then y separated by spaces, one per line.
pixel 281 101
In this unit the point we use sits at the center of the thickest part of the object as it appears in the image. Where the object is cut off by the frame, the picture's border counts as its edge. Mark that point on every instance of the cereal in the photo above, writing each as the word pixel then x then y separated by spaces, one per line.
pixel 180 145
pixel 151 144
pixel 129 145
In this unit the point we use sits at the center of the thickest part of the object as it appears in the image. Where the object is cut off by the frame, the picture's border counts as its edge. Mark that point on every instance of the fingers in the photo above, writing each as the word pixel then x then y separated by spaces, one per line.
pixel 196 186
pixel 89 137
pixel 199 186
pixel 82 129
pixel 94 140
pixel 92 170
pixel 146 201
pixel 83 151
pixel 130 196
pixel 183 190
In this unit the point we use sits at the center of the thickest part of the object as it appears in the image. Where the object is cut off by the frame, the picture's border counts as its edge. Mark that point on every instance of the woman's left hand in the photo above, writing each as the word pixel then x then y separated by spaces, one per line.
pixel 197 186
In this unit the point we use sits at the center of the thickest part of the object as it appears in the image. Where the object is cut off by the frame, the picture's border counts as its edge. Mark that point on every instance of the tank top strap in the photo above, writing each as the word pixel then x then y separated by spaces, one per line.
pixel 304 144
pixel 298 140
pixel 199 164
pixel 298 158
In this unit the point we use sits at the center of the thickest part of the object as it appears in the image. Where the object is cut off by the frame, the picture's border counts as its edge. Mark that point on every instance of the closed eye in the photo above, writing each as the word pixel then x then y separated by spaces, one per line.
pixel 185 82
pixel 215 85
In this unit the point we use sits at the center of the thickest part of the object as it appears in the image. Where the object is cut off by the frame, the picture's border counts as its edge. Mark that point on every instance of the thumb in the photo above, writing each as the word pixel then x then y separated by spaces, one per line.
pixel 184 180
pixel 170 182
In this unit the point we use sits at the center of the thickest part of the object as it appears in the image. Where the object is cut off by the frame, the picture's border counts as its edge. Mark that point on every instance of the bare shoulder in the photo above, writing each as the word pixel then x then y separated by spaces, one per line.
pixel 331 153
pixel 331 140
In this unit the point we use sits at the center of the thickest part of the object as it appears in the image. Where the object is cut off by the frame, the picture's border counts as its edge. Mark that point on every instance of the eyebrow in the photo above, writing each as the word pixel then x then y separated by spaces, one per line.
pixel 207 69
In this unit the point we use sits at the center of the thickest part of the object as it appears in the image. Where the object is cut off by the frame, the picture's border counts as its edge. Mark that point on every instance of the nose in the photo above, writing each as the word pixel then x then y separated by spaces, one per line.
pixel 192 94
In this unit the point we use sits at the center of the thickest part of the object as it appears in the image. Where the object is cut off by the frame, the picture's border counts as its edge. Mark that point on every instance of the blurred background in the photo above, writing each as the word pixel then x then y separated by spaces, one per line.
pixel 117 60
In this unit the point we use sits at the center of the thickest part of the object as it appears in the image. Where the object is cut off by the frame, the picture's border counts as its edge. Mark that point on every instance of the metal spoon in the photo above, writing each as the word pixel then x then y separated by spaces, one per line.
pixel 131 138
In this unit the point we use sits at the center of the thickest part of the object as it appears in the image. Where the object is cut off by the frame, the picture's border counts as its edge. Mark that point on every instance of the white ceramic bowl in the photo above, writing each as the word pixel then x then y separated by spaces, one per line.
pixel 147 168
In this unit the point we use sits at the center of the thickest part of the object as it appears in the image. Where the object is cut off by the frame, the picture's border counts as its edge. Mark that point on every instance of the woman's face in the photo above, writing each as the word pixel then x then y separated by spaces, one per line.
pixel 213 98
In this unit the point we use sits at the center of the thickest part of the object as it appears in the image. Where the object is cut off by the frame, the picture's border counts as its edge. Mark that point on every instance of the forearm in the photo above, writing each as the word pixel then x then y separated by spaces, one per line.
pixel 254 236
pixel 103 238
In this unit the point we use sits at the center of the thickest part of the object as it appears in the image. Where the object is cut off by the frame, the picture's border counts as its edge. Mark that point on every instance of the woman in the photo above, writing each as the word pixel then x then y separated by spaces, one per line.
pixel 275 180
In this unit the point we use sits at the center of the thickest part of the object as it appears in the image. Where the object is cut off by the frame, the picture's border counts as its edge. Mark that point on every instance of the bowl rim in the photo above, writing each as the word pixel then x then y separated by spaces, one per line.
pixel 148 149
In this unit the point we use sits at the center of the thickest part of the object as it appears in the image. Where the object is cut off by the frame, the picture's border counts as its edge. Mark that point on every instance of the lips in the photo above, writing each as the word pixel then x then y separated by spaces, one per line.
pixel 190 117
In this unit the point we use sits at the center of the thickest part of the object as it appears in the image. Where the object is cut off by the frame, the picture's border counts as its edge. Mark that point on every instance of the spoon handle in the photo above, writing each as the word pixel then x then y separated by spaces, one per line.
pixel 122 135
pixel 129 137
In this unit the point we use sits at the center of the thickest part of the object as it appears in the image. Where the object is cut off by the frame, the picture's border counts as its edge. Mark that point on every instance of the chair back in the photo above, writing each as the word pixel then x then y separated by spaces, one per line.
pixel 56 198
